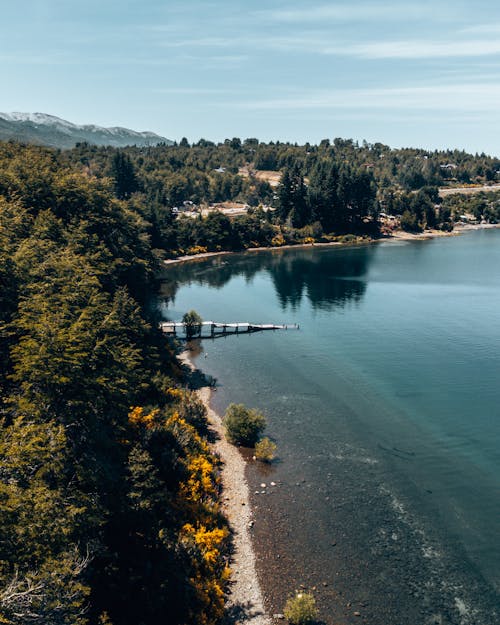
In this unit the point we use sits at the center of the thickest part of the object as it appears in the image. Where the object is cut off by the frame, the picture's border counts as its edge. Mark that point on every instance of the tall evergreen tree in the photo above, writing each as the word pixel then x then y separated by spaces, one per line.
pixel 124 176
pixel 323 194
pixel 292 196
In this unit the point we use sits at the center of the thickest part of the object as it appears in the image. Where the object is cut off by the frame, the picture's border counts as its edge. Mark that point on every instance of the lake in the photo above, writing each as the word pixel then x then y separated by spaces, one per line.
pixel 385 407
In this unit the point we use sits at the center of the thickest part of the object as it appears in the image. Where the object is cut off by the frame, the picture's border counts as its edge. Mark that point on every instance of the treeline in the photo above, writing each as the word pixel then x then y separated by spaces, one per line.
pixel 208 172
pixel 109 495
pixel 335 201
pixel 419 210
pixel 332 198
pixel 333 189
pixel 482 206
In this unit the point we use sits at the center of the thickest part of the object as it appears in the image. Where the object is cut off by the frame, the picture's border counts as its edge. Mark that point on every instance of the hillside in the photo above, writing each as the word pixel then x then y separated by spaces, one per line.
pixel 110 495
pixel 51 131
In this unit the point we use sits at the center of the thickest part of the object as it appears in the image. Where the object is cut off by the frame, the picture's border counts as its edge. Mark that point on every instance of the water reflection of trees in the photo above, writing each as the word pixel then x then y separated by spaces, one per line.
pixel 327 277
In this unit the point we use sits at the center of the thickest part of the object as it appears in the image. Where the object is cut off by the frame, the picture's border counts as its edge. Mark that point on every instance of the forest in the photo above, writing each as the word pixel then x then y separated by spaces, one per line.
pixel 320 191
pixel 109 497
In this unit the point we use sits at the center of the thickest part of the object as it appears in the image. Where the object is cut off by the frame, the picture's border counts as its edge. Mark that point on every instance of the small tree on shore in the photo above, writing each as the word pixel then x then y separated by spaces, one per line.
pixel 192 321
pixel 265 450
pixel 243 426
pixel 301 609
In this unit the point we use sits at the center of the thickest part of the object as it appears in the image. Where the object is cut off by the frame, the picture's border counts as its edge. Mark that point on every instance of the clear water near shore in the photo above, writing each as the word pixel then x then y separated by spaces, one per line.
pixel 385 407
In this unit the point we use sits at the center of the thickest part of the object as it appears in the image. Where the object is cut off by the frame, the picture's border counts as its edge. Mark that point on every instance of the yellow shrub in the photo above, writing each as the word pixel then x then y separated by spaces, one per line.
pixel 137 417
pixel 201 484
pixel 186 432
pixel 278 240
pixel 208 542
pixel 202 531
pixel 265 450
pixel 175 393
pixel 211 576
pixel 196 249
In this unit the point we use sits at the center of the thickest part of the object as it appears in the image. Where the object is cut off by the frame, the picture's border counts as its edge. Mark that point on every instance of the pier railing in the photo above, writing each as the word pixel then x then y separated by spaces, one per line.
pixel 213 329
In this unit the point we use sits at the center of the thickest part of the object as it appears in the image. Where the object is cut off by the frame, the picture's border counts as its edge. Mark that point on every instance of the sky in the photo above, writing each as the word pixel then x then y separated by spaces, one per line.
pixel 404 73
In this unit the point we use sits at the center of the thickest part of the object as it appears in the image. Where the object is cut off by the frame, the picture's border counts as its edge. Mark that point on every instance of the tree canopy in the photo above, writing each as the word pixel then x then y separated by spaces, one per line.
pixel 109 497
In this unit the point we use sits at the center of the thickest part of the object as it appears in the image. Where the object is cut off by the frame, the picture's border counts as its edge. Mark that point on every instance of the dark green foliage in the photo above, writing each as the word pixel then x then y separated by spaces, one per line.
pixel 243 426
pixel 194 412
pixel 339 199
pixel 482 206
pixel 339 184
pixel 43 520
pixel 409 222
pixel 192 321
pixel 292 197
pixel 92 502
pixel 323 194
pixel 123 174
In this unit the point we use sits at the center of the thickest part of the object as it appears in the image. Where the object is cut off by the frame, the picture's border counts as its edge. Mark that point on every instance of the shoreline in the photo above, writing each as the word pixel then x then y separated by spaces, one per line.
pixel 245 602
pixel 340 586
pixel 397 236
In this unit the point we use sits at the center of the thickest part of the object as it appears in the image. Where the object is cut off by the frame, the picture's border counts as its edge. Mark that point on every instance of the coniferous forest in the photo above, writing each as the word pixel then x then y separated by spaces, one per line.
pixel 109 497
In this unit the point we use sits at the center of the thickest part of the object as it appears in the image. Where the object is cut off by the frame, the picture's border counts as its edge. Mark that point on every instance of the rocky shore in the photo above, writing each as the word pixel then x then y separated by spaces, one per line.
pixel 246 604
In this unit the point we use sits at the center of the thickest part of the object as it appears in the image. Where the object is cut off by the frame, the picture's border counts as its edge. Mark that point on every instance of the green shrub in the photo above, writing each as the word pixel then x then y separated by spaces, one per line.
pixel 193 411
pixel 265 450
pixel 409 222
pixel 349 238
pixel 193 322
pixel 301 609
pixel 243 425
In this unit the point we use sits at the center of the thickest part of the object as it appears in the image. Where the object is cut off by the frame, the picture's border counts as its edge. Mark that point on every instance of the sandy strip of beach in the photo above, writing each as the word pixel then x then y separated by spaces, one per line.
pixel 181 259
pixel 397 235
pixel 246 603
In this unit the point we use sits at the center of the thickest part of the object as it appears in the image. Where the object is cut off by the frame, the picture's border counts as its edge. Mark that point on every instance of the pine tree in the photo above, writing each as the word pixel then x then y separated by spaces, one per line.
pixel 123 173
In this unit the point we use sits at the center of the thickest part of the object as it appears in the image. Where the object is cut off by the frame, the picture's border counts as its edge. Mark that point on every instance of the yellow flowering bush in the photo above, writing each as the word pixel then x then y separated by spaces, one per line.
pixel 175 393
pixel 196 249
pixel 137 417
pixel 278 240
pixel 208 542
pixel 211 574
pixel 201 532
pixel 201 483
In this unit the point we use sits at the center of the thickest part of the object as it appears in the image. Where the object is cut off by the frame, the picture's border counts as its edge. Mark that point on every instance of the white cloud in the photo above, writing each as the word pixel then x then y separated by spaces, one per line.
pixel 202 42
pixel 483 28
pixel 190 91
pixel 459 97
pixel 347 13
pixel 422 49
pixel 38 59
pixel 228 59
pixel 314 42
pixel 379 50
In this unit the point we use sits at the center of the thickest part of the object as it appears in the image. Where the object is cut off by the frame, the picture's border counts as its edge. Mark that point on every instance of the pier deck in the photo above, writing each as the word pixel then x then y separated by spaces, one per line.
pixel 213 329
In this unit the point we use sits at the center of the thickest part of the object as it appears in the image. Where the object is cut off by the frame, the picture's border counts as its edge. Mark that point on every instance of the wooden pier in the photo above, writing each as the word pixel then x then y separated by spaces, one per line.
pixel 214 329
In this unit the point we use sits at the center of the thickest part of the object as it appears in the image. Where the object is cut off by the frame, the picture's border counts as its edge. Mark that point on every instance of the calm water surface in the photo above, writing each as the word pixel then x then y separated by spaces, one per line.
pixel 385 406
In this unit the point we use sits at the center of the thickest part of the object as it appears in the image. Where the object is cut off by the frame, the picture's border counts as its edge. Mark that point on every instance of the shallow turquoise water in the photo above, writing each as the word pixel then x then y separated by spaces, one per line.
pixel 385 402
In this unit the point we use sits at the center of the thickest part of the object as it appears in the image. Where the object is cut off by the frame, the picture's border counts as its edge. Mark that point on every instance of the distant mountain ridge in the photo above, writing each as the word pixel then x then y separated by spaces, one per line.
pixel 52 131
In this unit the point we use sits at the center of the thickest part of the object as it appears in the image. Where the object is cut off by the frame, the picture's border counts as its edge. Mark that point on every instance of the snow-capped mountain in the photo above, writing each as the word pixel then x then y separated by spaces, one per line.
pixel 49 130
